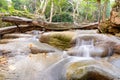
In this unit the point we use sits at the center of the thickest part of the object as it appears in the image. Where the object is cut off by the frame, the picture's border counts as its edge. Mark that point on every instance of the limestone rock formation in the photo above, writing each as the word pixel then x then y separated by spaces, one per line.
pixel 92 70
pixel 103 45
pixel 35 50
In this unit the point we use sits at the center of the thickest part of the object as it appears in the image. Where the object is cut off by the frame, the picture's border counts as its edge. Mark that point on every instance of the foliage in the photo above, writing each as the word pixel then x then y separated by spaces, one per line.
pixel 62 8
pixel 63 17
pixel 18 4
pixel 21 13
pixel 87 10
pixel 3 5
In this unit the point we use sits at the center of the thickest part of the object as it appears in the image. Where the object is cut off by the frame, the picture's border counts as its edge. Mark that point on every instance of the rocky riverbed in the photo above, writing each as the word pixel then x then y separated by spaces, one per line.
pixel 24 57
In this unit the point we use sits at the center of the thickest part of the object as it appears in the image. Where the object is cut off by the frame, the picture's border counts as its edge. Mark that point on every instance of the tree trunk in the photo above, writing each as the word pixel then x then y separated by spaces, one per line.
pixel 75 11
pixel 51 13
pixel 44 7
pixel 35 5
pixel 99 8
pixel 42 14
pixel 104 10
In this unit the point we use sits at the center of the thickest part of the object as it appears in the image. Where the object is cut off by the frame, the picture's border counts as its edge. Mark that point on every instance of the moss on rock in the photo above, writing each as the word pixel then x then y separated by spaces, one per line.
pixel 59 40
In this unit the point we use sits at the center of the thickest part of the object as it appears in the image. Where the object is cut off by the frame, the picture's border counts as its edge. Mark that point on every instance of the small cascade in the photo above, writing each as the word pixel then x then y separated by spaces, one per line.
pixel 36 34
pixel 84 48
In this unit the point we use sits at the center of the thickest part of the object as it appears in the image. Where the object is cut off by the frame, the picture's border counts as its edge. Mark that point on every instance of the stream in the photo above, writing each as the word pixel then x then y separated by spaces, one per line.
pixel 18 63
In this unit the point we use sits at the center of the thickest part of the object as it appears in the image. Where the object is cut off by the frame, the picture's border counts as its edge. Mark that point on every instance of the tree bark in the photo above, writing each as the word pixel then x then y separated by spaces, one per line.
pixel 99 8
pixel 51 13
pixel 104 10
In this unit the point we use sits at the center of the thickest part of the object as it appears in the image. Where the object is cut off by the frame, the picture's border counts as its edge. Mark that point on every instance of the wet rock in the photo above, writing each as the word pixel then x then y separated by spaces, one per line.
pixel 4 41
pixel 5 52
pixel 99 45
pixel 117 34
pixel 60 40
pixel 116 63
pixel 46 36
pixel 92 70
pixel 88 37
pixel 115 60
pixel 3 60
pixel 106 47
pixel 16 35
pixel 35 50
pixel 2 77
pixel 117 48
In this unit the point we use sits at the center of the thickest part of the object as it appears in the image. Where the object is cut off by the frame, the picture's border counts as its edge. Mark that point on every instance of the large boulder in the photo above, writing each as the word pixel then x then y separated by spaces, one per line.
pixel 59 40
pixel 92 70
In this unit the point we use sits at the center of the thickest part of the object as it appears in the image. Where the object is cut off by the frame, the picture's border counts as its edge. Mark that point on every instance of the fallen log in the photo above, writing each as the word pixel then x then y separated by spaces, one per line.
pixel 49 26
pixel 16 20
pixel 14 29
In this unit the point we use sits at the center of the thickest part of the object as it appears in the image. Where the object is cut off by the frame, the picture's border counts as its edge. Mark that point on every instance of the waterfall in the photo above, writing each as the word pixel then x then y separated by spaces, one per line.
pixel 84 47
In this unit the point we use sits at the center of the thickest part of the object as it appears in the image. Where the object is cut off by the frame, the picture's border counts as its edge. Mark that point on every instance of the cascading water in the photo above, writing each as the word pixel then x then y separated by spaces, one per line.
pixel 84 47
pixel 36 34
pixel 50 66
pixel 43 67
